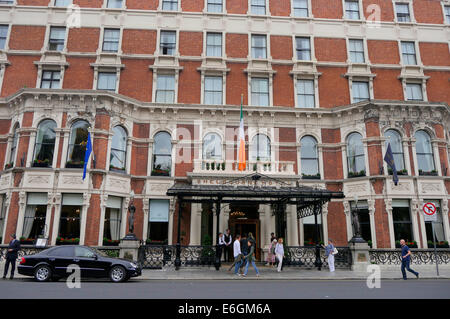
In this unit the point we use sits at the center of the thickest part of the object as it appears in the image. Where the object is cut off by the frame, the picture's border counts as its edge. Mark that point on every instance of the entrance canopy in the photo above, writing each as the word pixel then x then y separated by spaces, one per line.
pixel 306 198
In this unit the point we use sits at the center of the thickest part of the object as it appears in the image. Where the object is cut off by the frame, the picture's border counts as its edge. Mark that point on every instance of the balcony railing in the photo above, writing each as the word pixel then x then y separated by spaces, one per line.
pixel 231 167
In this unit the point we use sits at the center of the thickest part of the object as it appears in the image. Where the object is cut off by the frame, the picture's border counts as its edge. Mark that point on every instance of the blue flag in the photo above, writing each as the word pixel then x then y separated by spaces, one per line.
pixel 389 158
pixel 87 154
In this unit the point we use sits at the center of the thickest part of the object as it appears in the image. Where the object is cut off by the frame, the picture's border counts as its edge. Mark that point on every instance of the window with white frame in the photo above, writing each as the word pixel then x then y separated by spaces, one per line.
pixel 213 90
pixel 409 53
pixel 356 50
pixel 158 223
pixel 118 156
pixel 360 91
pixel 106 81
pixel 414 92
pixel 352 9
pixel 305 93
pixel 113 220
pixel 303 48
pixel 260 148
pixel 44 146
pixel 115 4
pixel 395 140
pixel 162 154
pixel 77 144
pixel 56 39
pixel 300 8
pixel 15 139
pixel 401 216
pixel 165 88
pixel 424 152
pixel 215 6
pixel 212 147
pixel 70 218
pixel 214 44
pixel 170 5
pixel 259 46
pixel 51 79
pixel 258 6
pixel 356 165
pixel 111 40
pixel 402 11
pixel 168 42
pixel 260 91
pixel 438 226
pixel 309 156
pixel 34 216
pixel 3 35
pixel 447 14
pixel 6 1
pixel 62 3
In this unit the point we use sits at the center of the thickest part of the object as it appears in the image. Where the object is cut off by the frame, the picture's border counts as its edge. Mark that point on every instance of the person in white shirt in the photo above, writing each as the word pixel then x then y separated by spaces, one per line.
pixel 228 240
pixel 221 245
pixel 237 255
pixel 279 252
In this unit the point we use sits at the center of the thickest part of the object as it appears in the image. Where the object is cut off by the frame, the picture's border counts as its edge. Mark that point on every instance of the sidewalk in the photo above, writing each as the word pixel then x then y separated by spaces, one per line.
pixel 267 273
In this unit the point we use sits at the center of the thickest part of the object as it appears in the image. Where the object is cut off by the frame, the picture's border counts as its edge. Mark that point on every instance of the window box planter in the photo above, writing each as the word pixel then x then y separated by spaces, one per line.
pixel 156 242
pixel 71 164
pixel 26 241
pixel 110 242
pixel 440 244
pixel 160 172
pixel 304 176
pixel 402 172
pixel 369 242
pixel 41 163
pixel 67 241
pixel 9 165
pixel 356 174
pixel 432 173
pixel 116 169
pixel 410 244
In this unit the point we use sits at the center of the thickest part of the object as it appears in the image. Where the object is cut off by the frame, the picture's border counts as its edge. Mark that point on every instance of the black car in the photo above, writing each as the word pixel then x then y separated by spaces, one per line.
pixel 53 264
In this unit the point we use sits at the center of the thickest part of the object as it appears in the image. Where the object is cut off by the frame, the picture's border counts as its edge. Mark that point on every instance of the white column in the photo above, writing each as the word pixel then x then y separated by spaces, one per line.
pixel 65 133
pixel 86 198
pixel 56 217
pixel 373 230
pixel 171 214
pixel 48 214
pixel 415 223
pixel 31 149
pixel 263 226
pixel 348 220
pixel 59 133
pixel 301 232
pixel 224 215
pixel 413 147
pixel 325 223
pixel 292 226
pixel 445 219
pixel 21 215
pixel 123 217
pixel 406 156
pixel 388 203
pixel 195 230
pixel 101 231
pixel 436 157
pixel 214 225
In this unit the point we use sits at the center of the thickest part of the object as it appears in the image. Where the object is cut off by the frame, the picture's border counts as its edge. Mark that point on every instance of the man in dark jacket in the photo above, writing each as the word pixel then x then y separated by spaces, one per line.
pixel 11 256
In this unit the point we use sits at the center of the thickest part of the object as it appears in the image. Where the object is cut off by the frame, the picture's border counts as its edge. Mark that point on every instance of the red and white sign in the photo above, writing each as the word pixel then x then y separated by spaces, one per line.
pixel 429 210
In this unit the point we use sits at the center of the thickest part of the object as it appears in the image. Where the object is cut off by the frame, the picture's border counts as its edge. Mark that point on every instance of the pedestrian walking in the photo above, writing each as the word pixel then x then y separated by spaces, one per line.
pixel 271 254
pixel 252 239
pixel 237 255
pixel 279 252
pixel 227 238
pixel 11 256
pixel 221 245
pixel 250 258
pixel 244 248
pixel 272 237
pixel 329 253
pixel 406 259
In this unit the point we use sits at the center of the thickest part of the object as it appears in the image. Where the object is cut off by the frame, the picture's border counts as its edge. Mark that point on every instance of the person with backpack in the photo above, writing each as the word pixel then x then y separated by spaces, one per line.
pixel 406 259
pixel 250 258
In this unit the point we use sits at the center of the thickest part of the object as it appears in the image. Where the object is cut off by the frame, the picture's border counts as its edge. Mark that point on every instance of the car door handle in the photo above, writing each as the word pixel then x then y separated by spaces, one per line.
pixel 76 260
pixel 52 259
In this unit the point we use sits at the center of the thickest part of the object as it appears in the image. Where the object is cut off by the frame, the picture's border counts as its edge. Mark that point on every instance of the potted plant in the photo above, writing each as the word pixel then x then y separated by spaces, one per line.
pixel 67 241
pixel 110 242
pixel 41 163
pixel 26 241
pixel 74 164
pixel 314 176
pixel 442 244
pixel 400 172
pixel 369 242
pixel 9 165
pixel 431 173
pixel 158 171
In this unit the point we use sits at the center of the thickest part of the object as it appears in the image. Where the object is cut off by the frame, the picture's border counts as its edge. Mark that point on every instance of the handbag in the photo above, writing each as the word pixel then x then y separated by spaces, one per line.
pixel 335 251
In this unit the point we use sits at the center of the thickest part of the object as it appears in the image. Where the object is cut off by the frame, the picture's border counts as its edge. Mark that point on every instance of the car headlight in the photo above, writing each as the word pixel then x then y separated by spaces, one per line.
pixel 133 265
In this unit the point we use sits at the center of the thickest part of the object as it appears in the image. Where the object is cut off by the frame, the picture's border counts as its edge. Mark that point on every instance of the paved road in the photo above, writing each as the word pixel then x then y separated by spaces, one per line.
pixel 234 289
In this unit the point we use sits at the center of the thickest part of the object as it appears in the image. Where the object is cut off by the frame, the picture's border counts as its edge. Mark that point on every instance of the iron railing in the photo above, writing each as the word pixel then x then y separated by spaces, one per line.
pixel 418 256
pixel 305 256
pixel 24 251
pixel 159 256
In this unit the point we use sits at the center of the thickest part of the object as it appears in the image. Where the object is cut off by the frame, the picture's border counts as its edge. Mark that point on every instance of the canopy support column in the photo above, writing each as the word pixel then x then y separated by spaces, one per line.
pixel 218 250
pixel 317 210
pixel 178 246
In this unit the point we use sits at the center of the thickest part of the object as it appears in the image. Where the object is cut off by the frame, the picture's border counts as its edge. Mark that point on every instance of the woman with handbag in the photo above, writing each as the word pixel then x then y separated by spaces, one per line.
pixel 271 255
pixel 279 251
pixel 330 251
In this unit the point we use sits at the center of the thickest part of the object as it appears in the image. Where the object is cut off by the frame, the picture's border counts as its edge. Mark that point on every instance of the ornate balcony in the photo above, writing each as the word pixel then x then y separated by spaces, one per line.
pixel 231 167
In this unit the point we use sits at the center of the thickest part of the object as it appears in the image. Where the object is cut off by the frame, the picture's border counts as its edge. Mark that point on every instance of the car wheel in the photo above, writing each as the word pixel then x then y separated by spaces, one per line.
pixel 42 273
pixel 117 274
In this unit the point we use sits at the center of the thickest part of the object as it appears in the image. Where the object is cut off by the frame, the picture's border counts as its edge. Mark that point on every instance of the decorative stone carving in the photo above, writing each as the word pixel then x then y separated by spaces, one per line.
pixel 388 203
pixel 371 204
pixel 371 113
pixel 38 179
pixel 118 183
pixel 72 180
pixel 431 187
pixel 357 188
pixel 22 198
pixel 401 186
pixel 4 181
pixel 346 207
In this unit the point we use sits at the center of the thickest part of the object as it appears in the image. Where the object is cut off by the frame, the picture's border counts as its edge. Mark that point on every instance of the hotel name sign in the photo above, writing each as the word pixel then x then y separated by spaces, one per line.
pixel 241 182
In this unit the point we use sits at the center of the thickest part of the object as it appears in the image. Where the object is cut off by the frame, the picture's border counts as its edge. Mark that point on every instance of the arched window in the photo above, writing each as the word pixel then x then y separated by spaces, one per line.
pixel 12 154
pixel 212 147
pixel 394 138
pixel 355 155
pixel 309 156
pixel 162 155
pixel 45 144
pixel 77 144
pixel 118 157
pixel 260 148
pixel 424 152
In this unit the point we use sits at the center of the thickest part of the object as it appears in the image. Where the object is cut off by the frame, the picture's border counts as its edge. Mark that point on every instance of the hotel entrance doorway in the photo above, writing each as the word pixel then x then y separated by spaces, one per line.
pixel 244 219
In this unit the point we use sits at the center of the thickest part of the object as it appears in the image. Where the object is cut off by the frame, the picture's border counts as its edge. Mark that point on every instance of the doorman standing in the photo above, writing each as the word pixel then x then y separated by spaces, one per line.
pixel 11 256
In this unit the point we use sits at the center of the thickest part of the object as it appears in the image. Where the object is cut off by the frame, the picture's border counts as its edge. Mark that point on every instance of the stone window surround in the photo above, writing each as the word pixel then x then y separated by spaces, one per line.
pixel 411 11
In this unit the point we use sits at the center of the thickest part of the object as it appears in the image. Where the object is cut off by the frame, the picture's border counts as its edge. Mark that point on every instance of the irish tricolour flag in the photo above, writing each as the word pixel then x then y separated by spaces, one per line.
pixel 241 165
